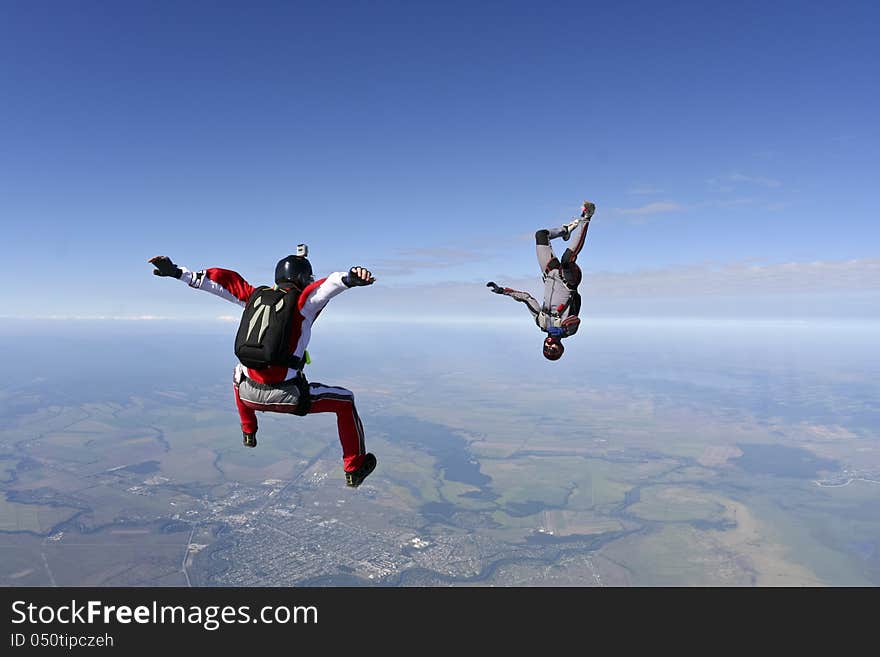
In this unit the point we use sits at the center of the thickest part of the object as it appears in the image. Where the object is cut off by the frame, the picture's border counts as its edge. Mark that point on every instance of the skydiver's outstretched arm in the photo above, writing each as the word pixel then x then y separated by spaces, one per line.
pixel 524 297
pixel 224 283
pixel 316 295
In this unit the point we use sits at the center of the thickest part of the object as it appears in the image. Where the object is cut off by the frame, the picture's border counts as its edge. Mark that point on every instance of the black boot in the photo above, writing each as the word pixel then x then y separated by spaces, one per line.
pixel 355 478
pixel 249 439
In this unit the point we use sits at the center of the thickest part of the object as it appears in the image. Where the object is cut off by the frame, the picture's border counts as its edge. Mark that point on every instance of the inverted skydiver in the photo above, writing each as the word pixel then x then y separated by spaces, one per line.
pixel 271 343
pixel 558 314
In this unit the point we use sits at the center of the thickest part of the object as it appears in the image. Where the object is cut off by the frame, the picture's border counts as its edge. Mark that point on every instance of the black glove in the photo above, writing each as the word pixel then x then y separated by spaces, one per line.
pixel 358 276
pixel 164 267
pixel 495 288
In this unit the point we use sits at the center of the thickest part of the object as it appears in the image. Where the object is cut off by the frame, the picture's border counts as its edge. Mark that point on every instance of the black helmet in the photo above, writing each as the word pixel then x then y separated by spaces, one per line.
pixel 293 271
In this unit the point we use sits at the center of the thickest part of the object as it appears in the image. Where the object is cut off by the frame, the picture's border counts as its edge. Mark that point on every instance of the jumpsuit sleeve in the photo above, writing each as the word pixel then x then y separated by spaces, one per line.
pixel 224 283
pixel 318 294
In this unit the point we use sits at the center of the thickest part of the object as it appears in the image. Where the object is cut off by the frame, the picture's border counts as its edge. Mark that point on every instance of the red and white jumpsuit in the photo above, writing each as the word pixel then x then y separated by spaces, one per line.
pixel 229 285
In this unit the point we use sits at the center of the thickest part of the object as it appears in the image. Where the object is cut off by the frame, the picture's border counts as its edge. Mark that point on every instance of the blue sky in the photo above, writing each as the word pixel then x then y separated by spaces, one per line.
pixel 731 149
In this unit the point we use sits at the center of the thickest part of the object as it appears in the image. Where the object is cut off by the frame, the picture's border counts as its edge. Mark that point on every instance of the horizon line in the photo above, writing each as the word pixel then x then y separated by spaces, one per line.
pixel 337 320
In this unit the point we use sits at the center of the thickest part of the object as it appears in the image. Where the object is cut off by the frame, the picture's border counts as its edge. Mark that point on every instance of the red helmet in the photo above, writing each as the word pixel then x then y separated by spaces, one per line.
pixel 553 348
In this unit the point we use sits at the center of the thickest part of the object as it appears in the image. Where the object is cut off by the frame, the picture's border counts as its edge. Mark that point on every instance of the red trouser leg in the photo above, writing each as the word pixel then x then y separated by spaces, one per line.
pixel 327 399
pixel 245 413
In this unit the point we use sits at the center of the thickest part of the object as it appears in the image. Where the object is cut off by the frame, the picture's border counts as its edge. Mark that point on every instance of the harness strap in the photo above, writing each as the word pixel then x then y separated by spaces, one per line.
pixel 304 403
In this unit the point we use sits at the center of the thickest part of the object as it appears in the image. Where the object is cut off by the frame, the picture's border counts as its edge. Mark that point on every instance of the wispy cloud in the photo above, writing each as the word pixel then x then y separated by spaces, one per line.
pixel 657 207
pixel 644 190
pixel 726 203
pixel 715 285
pixel 745 288
pixel 767 154
pixel 406 261
pixel 117 318
pixel 739 278
pixel 728 182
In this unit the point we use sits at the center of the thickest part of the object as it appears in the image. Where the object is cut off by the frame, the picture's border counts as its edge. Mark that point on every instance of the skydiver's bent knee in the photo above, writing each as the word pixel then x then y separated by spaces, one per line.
pixel 319 391
pixel 542 237
pixel 333 399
